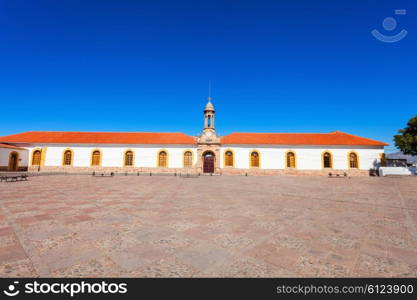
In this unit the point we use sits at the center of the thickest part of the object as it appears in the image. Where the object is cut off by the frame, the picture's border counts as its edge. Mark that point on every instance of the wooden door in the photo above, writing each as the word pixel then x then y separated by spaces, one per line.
pixel 13 161
pixel 208 166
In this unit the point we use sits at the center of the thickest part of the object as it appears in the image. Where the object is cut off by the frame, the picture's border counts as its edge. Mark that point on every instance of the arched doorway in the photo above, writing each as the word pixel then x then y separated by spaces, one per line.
pixel 208 162
pixel 13 161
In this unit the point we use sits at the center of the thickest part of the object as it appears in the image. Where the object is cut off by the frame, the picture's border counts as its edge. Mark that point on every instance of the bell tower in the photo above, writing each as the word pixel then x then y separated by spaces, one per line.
pixel 209 133
pixel 208 144
pixel 209 117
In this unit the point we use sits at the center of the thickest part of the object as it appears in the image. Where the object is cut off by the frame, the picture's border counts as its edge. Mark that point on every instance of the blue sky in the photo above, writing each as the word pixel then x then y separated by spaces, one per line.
pixel 275 66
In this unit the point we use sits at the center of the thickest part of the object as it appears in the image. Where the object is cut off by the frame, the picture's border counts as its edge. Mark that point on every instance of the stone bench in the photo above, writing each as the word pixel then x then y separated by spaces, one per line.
pixel 188 175
pixel 11 178
pixel 340 175
pixel 103 174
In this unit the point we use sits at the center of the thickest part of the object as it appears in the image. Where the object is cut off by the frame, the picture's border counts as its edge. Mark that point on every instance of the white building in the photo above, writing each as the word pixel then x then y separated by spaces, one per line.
pixel 236 153
pixel 13 158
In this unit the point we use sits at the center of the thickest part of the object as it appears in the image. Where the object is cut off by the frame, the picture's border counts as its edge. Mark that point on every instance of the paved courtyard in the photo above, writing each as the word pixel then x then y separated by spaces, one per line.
pixel 222 226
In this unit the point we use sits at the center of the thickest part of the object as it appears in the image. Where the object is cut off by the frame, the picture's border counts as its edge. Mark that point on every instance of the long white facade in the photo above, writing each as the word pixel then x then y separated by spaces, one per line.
pixel 271 157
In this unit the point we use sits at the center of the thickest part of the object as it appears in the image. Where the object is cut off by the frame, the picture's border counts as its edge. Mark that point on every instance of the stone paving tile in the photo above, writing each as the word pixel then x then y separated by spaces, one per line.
pixel 166 267
pixel 17 268
pixel 203 257
pixel 97 267
pixel 8 239
pixel 11 253
pixel 6 231
pixel 242 267
pixel 133 258
pixel 173 243
pixel 370 266
pixel 310 265
pixel 67 254
pixel 222 226
pixel 32 219
pixel 150 233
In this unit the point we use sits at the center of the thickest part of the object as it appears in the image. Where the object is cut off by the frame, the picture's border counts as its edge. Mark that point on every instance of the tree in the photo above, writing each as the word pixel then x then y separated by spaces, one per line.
pixel 407 139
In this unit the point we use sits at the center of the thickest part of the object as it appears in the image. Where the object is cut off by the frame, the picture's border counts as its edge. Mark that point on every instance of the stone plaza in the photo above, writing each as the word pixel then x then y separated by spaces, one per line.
pixel 209 226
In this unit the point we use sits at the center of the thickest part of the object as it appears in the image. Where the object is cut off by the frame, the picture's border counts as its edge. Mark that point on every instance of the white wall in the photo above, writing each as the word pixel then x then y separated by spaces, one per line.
pixel 113 155
pixel 307 157
pixel 5 153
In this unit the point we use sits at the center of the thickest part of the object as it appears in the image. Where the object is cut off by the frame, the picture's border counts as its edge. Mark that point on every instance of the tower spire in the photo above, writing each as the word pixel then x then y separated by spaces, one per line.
pixel 209 91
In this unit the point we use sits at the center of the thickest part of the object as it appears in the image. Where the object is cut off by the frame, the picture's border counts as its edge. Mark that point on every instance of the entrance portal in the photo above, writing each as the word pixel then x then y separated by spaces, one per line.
pixel 13 161
pixel 208 162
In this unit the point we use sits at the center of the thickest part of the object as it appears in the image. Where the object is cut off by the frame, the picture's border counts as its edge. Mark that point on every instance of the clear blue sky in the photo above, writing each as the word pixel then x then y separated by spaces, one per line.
pixel 275 66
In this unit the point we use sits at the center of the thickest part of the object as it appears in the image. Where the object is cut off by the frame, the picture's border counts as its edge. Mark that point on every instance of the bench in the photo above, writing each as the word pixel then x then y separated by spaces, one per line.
pixel 344 174
pixel 103 174
pixel 11 178
pixel 188 175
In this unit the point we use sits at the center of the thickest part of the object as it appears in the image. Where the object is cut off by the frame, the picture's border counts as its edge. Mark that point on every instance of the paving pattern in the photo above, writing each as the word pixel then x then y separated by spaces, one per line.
pixel 220 226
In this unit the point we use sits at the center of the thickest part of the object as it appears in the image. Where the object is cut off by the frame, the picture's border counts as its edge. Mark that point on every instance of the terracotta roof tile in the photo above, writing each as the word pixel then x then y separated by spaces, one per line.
pixel 333 138
pixel 54 137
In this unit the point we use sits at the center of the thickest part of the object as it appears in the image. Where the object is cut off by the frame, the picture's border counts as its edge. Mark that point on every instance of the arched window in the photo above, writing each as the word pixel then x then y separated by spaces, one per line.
pixel 327 160
pixel 228 159
pixel 36 158
pixel 353 160
pixel 290 159
pixel 254 159
pixel 96 158
pixel 67 161
pixel 128 158
pixel 162 159
pixel 188 159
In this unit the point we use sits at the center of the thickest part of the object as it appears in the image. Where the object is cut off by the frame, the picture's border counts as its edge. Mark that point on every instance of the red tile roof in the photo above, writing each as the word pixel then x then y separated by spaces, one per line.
pixel 332 138
pixel 53 137
pixel 10 147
